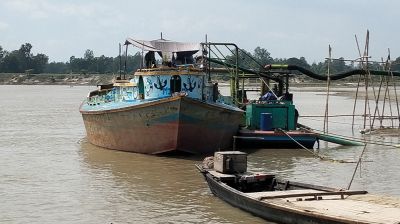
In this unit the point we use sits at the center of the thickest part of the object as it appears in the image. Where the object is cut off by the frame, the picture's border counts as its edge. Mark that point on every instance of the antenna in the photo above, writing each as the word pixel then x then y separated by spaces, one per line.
pixel 142 61
pixel 120 61
pixel 126 59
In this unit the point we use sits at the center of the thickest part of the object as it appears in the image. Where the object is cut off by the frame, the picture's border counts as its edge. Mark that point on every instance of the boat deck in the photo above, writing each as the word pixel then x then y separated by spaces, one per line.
pixel 274 139
pixel 358 208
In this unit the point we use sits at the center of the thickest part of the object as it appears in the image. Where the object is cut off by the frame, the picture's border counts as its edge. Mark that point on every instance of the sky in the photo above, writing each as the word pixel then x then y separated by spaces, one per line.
pixel 286 28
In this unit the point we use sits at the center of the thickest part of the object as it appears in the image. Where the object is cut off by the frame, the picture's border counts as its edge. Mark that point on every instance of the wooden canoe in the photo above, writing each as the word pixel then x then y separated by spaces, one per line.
pixel 289 202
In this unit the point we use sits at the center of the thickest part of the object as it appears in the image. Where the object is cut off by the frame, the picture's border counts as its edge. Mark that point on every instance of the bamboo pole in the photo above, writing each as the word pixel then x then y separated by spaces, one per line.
pixel 390 101
pixel 377 103
pixel 366 78
pixel 358 85
pixel 327 93
pixel 397 101
pixel 394 86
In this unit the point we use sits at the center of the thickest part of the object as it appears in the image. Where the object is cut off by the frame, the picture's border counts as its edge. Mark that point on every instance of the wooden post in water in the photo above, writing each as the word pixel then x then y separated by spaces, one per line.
pixel 358 86
pixel 327 92
pixel 367 79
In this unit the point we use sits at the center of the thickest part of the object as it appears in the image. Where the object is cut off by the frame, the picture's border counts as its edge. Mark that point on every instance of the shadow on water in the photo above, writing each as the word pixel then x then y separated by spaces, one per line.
pixel 167 187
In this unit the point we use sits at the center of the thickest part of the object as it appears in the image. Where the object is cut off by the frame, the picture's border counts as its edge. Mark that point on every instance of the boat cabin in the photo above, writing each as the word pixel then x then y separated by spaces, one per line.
pixel 174 73
pixel 273 110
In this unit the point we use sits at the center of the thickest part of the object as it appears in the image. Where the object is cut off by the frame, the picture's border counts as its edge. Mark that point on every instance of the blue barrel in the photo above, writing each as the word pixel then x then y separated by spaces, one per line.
pixel 266 122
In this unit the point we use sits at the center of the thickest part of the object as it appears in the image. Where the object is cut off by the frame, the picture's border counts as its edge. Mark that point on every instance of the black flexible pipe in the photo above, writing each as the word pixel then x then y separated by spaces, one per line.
pixel 336 76
pixel 270 69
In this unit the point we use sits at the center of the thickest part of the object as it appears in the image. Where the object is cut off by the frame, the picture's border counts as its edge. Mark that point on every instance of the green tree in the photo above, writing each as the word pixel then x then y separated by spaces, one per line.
pixel 302 62
pixel 57 67
pixel 396 65
pixel 39 63
pixel 2 54
pixel 25 57
pixel 254 61
pixel 89 55
pixel 11 63
pixel 22 60
pixel 319 68
pixel 263 56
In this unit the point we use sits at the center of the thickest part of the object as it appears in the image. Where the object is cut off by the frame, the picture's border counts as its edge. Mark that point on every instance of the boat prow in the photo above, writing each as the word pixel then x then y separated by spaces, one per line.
pixel 176 123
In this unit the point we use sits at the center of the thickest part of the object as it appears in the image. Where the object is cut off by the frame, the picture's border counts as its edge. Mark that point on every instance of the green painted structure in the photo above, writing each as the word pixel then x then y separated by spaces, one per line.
pixel 283 114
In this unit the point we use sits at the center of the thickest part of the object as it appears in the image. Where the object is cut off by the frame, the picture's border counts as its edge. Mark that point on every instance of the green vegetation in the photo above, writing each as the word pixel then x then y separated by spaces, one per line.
pixel 23 61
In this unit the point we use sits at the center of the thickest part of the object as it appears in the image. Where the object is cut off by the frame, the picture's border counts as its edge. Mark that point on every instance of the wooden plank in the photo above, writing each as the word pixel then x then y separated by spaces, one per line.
pixel 314 194
pixel 257 195
pixel 248 137
pixel 352 210
pixel 306 186
pixel 222 176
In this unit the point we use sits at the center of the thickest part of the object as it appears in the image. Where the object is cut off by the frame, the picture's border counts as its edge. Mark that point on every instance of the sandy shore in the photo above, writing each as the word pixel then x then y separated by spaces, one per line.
pixel 55 79
pixel 339 88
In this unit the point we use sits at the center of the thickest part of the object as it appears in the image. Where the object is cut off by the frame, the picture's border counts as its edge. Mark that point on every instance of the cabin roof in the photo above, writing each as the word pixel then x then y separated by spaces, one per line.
pixel 162 45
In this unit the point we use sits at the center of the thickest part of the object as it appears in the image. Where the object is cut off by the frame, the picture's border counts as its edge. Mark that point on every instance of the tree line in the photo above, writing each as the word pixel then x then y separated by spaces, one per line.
pixel 23 61
pixel 263 57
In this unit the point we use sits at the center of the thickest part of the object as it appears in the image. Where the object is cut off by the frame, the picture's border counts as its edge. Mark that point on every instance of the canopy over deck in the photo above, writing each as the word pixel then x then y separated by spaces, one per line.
pixel 162 45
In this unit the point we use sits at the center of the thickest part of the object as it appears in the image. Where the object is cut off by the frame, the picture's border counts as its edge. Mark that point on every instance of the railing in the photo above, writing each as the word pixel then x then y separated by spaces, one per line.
pixel 100 99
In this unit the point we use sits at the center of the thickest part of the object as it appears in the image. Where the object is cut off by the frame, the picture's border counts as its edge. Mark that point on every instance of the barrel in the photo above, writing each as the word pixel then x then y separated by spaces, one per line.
pixel 265 121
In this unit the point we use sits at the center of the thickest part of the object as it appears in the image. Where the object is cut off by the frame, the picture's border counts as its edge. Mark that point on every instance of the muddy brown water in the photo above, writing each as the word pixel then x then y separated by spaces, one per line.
pixel 49 173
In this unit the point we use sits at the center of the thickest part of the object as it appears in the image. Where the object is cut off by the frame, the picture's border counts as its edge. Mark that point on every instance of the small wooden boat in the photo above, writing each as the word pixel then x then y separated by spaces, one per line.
pixel 283 201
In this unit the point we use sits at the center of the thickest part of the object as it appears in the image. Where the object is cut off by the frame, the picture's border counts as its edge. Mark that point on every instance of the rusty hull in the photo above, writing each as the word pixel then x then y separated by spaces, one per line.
pixel 176 123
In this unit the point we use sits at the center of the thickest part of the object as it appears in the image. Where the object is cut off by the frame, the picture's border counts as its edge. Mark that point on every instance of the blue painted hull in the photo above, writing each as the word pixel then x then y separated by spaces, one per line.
pixel 272 139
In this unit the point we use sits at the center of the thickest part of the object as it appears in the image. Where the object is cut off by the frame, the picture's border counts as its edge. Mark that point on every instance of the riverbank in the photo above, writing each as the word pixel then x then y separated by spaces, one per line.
pixel 345 87
pixel 55 79
pixel 95 79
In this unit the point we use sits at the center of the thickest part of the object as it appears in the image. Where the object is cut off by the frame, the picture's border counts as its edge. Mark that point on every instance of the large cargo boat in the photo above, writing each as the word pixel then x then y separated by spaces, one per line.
pixel 165 107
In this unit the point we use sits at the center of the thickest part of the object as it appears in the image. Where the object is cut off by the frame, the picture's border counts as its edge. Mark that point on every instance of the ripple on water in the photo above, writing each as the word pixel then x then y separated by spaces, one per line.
pixel 49 175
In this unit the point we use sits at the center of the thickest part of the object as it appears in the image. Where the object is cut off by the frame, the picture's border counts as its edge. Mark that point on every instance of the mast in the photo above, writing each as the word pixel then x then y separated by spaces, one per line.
pixel 126 59
pixel 120 61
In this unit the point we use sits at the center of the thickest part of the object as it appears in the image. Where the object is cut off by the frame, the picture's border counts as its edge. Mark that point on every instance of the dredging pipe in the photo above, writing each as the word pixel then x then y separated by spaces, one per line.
pixel 336 76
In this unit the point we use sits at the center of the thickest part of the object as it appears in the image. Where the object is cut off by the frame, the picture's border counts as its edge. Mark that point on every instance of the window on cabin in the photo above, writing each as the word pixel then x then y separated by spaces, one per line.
pixel 141 88
pixel 175 84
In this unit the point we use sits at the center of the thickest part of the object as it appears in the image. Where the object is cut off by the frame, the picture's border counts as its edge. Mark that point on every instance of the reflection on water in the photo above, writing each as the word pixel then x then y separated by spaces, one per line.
pixel 156 188
pixel 49 173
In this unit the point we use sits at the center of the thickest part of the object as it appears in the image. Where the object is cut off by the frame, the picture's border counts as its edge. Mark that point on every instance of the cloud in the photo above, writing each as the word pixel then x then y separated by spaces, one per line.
pixel 286 28
pixel 33 9
pixel 43 9
pixel 3 25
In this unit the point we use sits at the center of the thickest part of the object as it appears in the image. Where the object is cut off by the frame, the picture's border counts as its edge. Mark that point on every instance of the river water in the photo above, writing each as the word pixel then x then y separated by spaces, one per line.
pixel 49 173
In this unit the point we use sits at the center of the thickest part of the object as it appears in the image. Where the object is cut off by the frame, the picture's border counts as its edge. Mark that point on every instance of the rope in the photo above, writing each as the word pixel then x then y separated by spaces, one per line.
pixel 262 79
pixel 335 122
pixel 355 170
pixel 337 115
pixel 302 146
pixel 312 152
